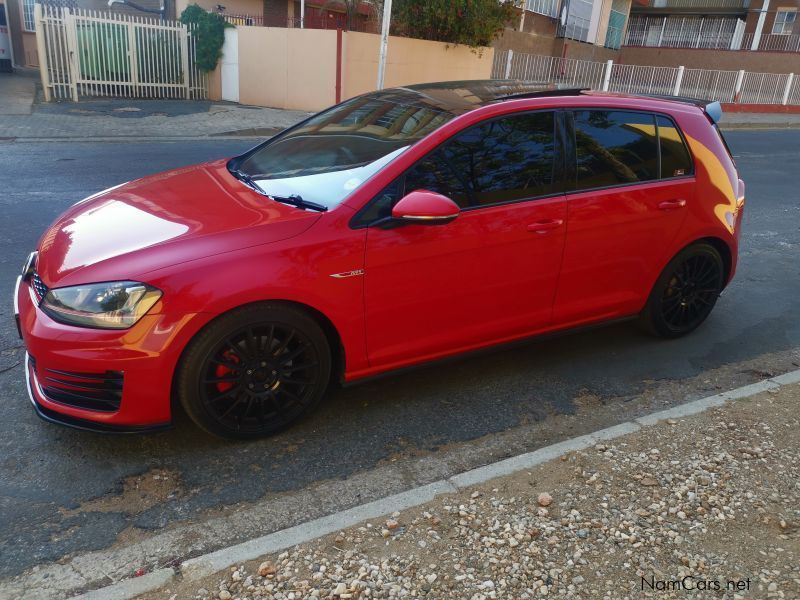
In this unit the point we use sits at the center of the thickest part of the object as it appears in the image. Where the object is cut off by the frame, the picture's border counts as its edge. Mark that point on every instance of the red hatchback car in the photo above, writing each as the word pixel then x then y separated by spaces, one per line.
pixel 395 228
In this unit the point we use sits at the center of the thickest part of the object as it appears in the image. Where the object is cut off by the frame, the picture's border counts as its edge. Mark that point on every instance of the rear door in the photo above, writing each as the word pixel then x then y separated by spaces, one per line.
pixel 630 192
pixel 489 275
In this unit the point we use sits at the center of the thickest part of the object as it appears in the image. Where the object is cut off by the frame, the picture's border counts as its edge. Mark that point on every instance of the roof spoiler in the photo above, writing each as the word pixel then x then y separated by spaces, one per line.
pixel 714 111
pixel 712 108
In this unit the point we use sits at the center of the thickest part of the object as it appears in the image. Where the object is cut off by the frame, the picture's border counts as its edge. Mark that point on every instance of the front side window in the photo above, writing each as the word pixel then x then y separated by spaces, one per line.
pixel 505 159
pixel 501 160
pixel 614 147
pixel 433 173
pixel 784 21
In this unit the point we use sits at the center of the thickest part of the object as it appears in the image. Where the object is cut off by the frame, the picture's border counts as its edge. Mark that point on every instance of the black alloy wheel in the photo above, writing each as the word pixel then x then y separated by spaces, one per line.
pixel 255 371
pixel 686 292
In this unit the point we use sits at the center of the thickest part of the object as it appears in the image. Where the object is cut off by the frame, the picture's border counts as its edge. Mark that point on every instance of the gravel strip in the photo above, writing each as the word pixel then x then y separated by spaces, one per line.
pixel 707 506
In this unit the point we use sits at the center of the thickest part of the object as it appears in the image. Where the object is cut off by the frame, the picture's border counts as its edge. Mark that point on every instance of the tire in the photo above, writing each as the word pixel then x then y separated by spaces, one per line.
pixel 685 292
pixel 254 371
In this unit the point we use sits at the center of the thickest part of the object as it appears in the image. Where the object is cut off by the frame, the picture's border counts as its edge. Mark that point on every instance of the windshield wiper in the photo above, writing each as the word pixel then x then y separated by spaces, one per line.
pixel 247 180
pixel 293 200
pixel 296 200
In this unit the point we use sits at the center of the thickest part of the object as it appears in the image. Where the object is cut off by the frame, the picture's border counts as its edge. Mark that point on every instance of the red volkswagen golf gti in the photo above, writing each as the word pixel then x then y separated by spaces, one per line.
pixel 396 228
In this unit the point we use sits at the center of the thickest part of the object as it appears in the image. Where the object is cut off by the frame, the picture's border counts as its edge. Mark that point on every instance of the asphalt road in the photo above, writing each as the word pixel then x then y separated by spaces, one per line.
pixel 63 491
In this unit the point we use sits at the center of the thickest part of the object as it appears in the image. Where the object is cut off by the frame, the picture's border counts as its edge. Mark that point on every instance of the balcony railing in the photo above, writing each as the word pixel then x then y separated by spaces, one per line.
pixel 717 33
pixel 549 8
pixel 694 4
pixel 683 32
pixel 773 42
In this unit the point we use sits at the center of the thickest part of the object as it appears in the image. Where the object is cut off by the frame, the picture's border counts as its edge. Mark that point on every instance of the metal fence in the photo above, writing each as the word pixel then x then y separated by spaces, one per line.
pixel 567 72
pixel 726 86
pixel 91 53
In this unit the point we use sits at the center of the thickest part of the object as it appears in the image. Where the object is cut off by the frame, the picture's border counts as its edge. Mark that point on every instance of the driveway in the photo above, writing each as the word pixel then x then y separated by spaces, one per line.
pixel 63 492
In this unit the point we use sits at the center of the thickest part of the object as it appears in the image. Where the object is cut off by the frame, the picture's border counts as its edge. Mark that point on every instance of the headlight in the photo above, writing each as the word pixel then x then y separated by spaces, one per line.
pixel 114 305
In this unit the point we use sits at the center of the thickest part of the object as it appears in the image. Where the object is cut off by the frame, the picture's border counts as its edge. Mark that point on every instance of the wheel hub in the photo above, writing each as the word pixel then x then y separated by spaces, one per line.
pixel 261 377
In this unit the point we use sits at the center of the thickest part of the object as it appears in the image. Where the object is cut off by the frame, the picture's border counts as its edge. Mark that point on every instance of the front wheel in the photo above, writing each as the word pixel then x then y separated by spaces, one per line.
pixel 685 292
pixel 254 371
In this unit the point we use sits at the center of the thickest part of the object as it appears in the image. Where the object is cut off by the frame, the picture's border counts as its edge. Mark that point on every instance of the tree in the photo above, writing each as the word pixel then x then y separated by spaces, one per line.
pixel 471 22
pixel 351 9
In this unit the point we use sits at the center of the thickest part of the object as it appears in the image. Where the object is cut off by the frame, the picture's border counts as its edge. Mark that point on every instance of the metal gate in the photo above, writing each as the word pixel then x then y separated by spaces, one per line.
pixel 89 53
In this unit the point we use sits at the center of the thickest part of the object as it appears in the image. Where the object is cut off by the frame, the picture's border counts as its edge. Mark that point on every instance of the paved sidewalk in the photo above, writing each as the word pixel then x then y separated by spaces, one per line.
pixel 24 116
pixel 17 91
pixel 125 119
pixel 704 506
pixel 743 120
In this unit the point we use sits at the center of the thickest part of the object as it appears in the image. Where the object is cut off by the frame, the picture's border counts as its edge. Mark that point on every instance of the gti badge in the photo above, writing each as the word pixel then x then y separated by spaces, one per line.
pixel 344 274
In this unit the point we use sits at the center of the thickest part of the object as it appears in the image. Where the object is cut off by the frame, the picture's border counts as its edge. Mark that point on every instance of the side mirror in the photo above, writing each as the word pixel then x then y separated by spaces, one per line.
pixel 425 208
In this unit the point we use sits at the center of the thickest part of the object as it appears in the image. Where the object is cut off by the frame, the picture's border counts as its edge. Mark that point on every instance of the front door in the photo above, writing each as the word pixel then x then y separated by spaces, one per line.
pixel 491 274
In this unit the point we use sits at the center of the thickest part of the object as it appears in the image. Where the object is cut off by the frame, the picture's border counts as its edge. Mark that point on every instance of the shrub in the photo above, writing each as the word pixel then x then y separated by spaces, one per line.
pixel 471 22
pixel 209 31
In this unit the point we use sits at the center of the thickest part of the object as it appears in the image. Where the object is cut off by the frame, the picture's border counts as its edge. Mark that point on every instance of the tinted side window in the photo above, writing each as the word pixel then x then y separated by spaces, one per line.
pixel 381 205
pixel 675 160
pixel 433 173
pixel 614 147
pixel 505 159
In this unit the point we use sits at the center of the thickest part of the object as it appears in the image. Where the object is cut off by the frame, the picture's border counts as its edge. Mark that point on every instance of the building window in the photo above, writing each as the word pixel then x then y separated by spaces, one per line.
pixel 576 25
pixel 616 24
pixel 784 21
pixel 27 15
pixel 548 8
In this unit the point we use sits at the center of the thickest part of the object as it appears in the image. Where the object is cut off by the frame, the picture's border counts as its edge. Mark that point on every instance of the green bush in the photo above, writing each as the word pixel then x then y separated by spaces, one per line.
pixel 473 23
pixel 209 31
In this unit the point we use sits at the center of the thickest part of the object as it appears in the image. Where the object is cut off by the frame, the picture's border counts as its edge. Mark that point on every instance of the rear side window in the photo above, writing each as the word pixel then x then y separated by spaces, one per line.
pixel 675 159
pixel 614 147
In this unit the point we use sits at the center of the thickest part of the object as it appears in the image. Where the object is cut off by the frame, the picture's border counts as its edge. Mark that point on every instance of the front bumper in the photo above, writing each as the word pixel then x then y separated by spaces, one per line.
pixel 58 418
pixel 146 355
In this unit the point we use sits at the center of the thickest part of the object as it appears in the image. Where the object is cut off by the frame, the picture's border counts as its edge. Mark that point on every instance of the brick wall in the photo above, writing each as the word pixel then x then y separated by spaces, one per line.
pixel 769 20
pixel 726 60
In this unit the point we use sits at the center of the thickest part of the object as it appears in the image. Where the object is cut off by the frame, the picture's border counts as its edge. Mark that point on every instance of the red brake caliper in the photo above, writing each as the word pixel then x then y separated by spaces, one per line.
pixel 222 371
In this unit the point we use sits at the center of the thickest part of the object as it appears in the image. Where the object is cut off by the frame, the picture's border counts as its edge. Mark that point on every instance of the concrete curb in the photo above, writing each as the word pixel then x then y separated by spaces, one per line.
pixel 130 588
pixel 207 564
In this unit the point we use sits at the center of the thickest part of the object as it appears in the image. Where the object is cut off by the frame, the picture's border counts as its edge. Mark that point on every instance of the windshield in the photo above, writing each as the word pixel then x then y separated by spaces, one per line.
pixel 329 156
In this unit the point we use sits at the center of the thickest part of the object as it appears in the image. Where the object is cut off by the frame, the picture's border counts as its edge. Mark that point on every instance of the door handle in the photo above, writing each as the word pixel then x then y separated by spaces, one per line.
pixel 545 226
pixel 672 204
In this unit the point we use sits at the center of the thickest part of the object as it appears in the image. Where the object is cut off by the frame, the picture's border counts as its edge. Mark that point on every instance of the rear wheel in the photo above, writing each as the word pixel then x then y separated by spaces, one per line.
pixel 254 371
pixel 685 293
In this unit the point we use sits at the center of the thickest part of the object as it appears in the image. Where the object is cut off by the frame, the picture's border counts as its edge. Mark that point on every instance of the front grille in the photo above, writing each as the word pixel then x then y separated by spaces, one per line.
pixel 91 391
pixel 38 286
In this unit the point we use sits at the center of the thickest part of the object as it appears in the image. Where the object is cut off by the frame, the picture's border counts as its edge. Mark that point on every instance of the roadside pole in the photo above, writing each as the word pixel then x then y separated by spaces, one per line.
pixel 387 17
